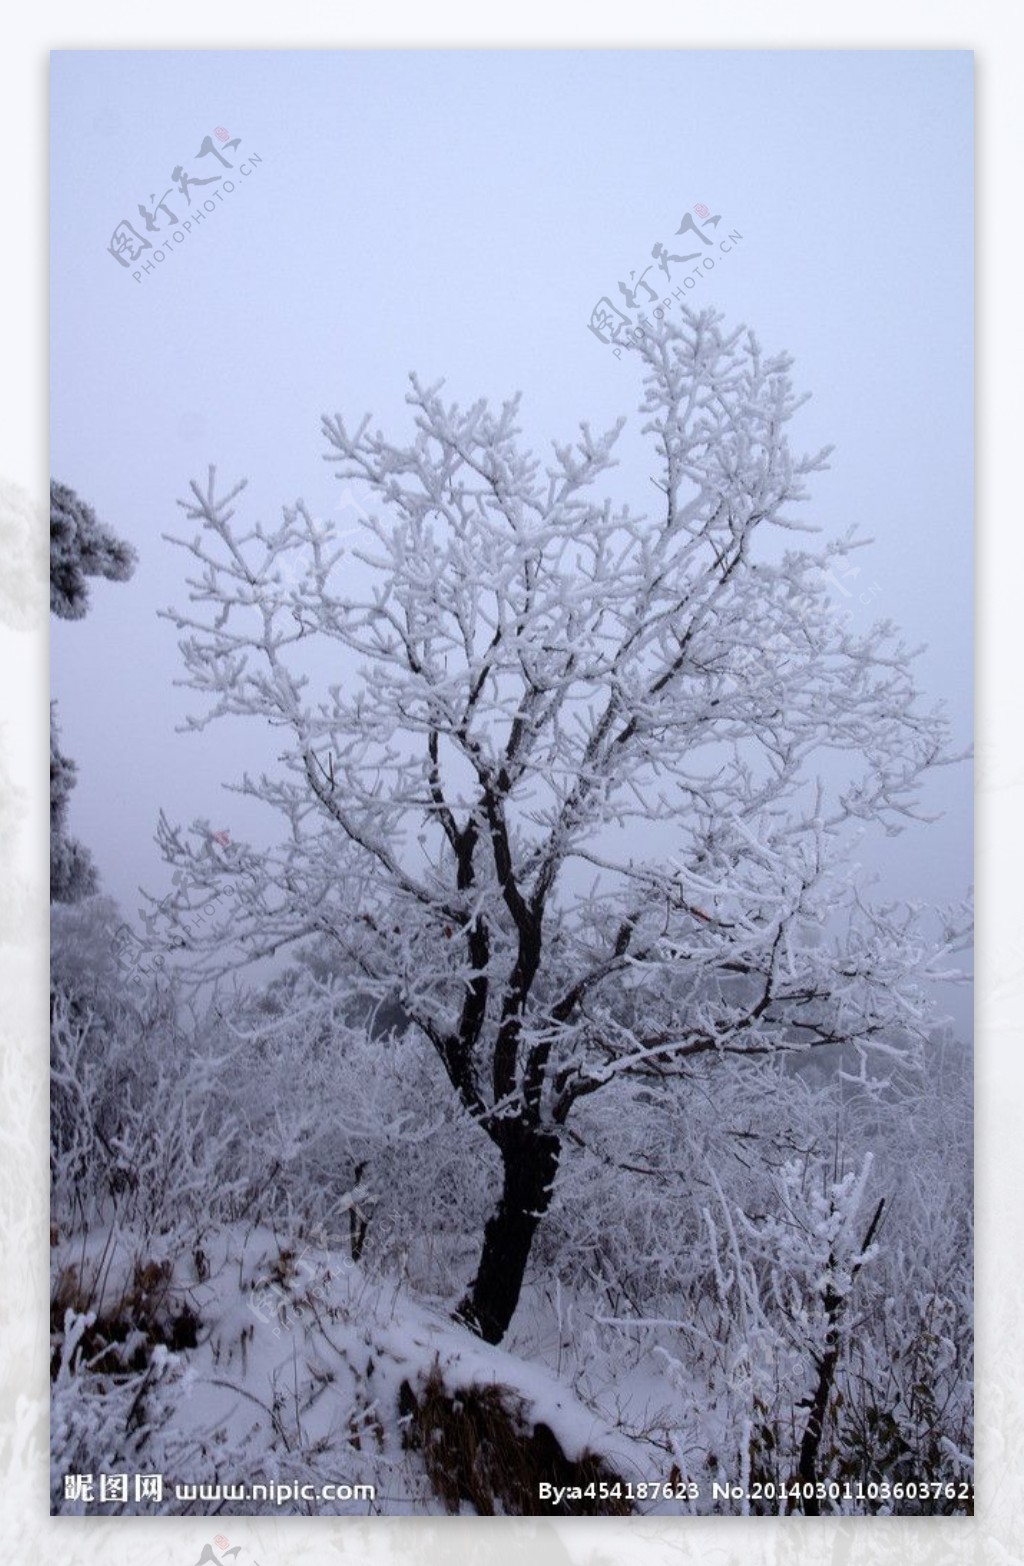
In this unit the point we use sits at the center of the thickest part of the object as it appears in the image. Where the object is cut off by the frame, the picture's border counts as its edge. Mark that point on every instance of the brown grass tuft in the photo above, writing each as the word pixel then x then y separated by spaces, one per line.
pixel 125 1331
pixel 478 1446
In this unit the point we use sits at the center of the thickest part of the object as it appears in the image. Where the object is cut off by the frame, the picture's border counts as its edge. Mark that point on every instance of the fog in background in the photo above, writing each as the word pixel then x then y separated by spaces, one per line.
pixel 460 215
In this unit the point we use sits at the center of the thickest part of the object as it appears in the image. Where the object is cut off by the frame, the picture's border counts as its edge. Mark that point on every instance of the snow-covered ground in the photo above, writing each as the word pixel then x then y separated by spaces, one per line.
pixel 299 1376
pixel 258 1244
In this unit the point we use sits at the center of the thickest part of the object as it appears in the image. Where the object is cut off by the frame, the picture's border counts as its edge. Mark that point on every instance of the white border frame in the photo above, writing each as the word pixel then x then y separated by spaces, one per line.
pixel 994 33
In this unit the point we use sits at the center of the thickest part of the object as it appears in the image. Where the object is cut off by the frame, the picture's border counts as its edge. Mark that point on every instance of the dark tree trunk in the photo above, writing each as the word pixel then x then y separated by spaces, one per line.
pixel 530 1162
pixel 358 1221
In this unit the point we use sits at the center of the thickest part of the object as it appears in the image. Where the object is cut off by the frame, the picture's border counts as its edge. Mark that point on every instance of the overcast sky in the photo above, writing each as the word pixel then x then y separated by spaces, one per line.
pixel 460 215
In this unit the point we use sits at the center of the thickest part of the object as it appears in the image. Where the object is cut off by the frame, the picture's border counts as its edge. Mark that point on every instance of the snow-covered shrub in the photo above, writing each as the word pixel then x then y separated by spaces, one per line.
pixel 694 1240
pixel 143 1133
pixel 907 1412
pixel 377 1152
pixel 103 1423
pixel 627 1214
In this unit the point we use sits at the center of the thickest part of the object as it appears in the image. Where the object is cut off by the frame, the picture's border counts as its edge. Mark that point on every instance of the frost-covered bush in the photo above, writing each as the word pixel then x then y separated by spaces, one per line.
pixel 628 1210
pixel 111 1041
pixel 106 1423
pixel 377 1153
pixel 731 1252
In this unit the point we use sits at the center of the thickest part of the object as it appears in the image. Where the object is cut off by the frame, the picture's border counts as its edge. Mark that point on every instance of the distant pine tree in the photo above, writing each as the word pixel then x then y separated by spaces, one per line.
pixel 72 872
pixel 80 547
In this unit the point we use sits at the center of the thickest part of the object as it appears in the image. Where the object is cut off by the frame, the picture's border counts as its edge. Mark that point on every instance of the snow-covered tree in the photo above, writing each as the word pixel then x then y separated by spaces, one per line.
pixel 72 871
pixel 577 784
pixel 80 547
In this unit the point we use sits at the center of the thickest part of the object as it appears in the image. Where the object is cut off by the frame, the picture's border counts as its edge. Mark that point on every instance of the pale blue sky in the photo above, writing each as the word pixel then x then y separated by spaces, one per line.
pixel 459 214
